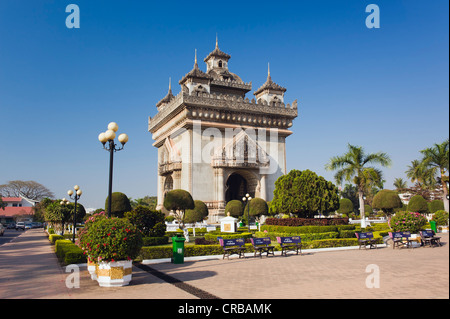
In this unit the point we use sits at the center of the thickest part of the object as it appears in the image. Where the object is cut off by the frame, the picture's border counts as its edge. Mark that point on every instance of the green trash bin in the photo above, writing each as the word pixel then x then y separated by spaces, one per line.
pixel 178 250
pixel 433 226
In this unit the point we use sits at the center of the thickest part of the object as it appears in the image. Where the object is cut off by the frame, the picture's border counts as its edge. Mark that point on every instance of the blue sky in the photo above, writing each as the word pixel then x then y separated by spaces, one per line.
pixel 385 89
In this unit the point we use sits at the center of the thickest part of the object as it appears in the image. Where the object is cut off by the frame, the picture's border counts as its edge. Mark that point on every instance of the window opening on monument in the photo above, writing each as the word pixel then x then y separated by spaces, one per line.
pixel 168 184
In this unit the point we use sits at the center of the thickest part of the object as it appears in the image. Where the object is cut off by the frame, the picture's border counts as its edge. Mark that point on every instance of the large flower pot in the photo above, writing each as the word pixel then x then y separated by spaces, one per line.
pixel 91 266
pixel 115 273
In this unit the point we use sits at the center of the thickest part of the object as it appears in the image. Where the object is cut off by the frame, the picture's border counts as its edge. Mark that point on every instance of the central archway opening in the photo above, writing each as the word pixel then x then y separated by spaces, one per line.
pixel 236 187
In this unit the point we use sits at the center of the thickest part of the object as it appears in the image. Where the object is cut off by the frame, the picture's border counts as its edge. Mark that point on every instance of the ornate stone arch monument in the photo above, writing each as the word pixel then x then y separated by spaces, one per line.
pixel 216 143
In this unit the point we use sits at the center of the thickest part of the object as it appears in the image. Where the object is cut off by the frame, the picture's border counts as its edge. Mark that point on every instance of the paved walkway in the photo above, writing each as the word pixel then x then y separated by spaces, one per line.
pixel 29 269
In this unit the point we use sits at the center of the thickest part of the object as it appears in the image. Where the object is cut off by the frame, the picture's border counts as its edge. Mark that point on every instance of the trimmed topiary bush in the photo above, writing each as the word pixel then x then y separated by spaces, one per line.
pixel 418 204
pixel 178 201
pixel 257 206
pixel 235 208
pixel 197 214
pixel 387 200
pixel 345 206
pixel 120 204
pixel 435 206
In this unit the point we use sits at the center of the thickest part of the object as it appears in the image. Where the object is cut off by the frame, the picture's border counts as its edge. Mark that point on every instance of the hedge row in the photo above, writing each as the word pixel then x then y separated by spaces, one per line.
pixel 305 237
pixel 212 236
pixel 155 241
pixel 157 252
pixel 306 221
pixel 54 237
pixel 69 252
pixel 306 229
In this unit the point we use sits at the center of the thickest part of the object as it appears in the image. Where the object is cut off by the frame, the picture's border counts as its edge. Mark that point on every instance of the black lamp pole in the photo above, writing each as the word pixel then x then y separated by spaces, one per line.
pixel 109 136
pixel 247 198
pixel 76 197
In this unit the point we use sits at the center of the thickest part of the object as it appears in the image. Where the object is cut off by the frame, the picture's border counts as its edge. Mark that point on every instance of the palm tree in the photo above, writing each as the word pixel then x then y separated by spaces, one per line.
pixel 400 184
pixel 421 175
pixel 353 167
pixel 436 159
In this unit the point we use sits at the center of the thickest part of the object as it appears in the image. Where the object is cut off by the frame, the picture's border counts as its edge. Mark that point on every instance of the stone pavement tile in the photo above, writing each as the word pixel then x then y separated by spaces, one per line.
pixel 30 269
pixel 403 273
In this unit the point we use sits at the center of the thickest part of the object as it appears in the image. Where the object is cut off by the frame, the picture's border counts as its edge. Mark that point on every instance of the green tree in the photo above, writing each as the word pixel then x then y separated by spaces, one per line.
pixel 418 204
pixel 304 193
pixel 148 201
pixel 400 185
pixel 120 204
pixel 345 206
pixel 436 159
pixel 387 200
pixel 197 214
pixel 353 167
pixel 256 208
pixel 149 222
pixel 29 189
pixel 351 192
pixel 2 204
pixel 58 215
pixel 441 218
pixel 420 174
pixel 178 201
pixel 235 208
pixel 435 206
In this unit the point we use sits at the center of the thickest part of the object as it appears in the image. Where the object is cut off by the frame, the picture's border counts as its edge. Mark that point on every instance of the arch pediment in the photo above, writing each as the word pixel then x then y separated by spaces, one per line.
pixel 241 151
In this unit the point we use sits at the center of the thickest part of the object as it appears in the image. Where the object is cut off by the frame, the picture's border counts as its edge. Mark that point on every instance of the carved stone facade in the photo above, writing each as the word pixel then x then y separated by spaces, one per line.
pixel 217 144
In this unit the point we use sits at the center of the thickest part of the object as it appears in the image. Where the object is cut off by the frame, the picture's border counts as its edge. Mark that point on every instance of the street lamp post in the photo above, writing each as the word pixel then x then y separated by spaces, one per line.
pixel 363 218
pixel 247 198
pixel 76 197
pixel 108 137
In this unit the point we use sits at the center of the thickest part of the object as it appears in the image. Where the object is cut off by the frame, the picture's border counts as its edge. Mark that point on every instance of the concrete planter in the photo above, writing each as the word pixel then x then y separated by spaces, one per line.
pixel 92 268
pixel 115 273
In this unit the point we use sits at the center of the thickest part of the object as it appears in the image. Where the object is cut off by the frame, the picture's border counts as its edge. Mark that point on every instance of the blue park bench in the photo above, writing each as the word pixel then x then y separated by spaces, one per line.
pixel 232 246
pixel 401 239
pixel 428 238
pixel 262 245
pixel 366 239
pixel 293 243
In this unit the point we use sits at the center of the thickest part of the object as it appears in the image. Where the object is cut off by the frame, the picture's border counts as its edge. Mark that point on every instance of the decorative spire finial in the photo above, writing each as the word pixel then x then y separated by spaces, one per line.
pixel 195 64
pixel 269 78
pixel 217 41
pixel 170 85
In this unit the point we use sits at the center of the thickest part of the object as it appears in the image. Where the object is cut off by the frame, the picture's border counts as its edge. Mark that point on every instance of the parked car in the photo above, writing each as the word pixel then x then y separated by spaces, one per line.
pixel 2 229
pixel 20 226
pixel 28 226
pixel 11 226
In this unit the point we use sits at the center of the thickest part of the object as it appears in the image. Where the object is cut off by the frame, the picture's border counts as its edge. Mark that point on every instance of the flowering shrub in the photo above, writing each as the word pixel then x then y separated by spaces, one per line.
pixel 407 221
pixel 82 234
pixel 111 239
pixel 441 218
